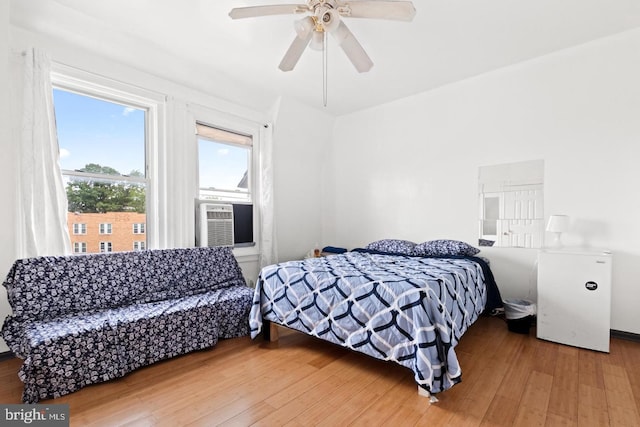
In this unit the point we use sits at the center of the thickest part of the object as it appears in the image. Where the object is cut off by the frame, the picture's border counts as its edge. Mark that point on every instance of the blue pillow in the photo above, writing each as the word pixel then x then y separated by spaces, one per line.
pixel 444 247
pixel 393 246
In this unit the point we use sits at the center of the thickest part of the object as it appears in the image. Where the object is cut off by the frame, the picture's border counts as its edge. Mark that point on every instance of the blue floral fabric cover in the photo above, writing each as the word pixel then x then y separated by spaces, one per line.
pixel 410 310
pixel 85 319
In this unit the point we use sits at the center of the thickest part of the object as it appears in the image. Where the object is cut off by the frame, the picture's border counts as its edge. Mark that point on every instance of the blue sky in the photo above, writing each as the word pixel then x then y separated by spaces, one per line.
pixel 95 131
pixel 221 165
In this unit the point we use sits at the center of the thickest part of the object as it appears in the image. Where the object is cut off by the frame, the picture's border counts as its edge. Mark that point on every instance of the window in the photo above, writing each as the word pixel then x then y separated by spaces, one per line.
pixel 225 172
pixel 139 246
pixel 79 247
pixel 102 138
pixel 224 164
pixel 138 228
pixel 79 228
pixel 105 228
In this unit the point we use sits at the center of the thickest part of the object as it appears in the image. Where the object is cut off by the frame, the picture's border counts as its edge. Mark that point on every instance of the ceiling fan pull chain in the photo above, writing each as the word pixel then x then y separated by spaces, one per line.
pixel 325 68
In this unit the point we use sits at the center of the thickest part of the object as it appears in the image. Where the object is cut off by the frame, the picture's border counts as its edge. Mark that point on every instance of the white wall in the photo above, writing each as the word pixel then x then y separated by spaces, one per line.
pixel 301 137
pixel 409 169
pixel 7 170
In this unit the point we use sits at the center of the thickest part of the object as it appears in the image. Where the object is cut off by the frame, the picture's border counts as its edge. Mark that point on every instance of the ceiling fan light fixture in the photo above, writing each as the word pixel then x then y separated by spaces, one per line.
pixel 317 41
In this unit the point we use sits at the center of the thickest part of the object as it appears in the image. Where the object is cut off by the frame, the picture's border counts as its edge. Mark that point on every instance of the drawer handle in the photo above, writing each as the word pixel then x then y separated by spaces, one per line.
pixel 591 286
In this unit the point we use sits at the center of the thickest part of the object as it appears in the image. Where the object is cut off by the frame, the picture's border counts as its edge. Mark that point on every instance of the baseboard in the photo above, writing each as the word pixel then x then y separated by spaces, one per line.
pixel 625 335
pixel 6 355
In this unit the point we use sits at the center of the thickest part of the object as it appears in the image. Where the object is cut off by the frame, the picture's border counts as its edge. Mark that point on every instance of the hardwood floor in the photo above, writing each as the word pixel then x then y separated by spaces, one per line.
pixel 508 379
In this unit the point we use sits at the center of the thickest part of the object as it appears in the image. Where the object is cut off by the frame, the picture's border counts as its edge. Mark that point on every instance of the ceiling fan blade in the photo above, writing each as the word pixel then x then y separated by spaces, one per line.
pixel 294 52
pixel 354 50
pixel 276 9
pixel 394 10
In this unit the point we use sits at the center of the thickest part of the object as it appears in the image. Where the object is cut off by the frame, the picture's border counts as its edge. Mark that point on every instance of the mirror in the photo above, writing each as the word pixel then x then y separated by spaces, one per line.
pixel 511 204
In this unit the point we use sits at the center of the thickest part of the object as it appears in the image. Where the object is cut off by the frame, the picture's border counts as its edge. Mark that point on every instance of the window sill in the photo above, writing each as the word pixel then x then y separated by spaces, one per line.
pixel 247 253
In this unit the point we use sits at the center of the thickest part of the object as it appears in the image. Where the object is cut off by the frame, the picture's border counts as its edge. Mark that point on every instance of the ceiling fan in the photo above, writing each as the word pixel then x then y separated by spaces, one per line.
pixel 326 17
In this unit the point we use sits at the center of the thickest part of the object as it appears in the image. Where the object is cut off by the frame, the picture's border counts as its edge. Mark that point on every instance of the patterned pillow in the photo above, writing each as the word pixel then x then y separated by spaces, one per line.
pixel 394 246
pixel 444 247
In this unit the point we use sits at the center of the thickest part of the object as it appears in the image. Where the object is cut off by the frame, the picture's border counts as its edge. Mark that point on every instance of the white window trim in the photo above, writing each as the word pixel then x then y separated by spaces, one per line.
pixel 105 245
pixel 81 230
pixel 105 228
pixel 218 119
pixel 75 80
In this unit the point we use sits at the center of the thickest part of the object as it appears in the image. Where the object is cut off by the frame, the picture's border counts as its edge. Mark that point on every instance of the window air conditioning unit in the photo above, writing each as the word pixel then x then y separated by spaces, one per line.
pixel 216 225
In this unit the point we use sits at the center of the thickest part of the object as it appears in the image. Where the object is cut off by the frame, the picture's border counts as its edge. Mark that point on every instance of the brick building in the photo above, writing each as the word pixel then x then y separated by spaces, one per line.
pixel 107 232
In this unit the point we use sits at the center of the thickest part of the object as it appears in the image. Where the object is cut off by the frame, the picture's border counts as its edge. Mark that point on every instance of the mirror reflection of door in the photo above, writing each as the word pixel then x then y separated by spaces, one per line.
pixel 491 212
pixel 511 204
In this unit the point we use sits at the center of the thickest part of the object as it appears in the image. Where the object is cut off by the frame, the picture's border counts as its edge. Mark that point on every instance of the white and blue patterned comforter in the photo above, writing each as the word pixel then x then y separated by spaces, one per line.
pixel 409 310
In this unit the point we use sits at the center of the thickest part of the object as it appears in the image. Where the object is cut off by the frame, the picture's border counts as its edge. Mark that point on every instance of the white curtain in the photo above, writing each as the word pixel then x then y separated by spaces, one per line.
pixel 41 199
pixel 268 244
pixel 178 185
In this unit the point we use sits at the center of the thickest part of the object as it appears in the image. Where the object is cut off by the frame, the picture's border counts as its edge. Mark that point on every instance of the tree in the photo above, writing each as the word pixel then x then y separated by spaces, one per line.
pixel 96 168
pixel 99 196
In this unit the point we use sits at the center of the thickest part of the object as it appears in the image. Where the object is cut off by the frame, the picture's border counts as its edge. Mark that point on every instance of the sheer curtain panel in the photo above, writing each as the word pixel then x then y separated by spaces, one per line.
pixel 41 198
pixel 268 243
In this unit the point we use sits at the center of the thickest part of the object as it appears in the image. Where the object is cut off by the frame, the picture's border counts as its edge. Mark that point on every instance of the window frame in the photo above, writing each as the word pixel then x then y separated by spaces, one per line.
pixel 81 228
pixel 250 169
pixel 234 124
pixel 105 225
pixel 105 244
pixel 81 245
pixel 88 84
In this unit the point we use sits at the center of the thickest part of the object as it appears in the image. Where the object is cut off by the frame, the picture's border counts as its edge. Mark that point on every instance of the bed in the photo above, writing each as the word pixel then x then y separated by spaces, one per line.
pixel 411 310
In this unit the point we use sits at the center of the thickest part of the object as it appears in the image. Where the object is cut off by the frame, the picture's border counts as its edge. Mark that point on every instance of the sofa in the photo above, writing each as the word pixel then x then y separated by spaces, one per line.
pixel 84 319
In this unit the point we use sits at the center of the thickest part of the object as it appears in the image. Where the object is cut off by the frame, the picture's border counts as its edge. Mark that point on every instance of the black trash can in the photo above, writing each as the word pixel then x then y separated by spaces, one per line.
pixel 519 314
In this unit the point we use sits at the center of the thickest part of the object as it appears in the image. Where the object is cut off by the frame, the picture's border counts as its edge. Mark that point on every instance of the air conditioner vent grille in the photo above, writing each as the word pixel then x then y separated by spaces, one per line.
pixel 216 225
pixel 219 215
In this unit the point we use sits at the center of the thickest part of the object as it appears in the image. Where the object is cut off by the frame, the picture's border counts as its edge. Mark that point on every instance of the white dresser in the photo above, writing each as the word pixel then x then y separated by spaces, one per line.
pixel 574 297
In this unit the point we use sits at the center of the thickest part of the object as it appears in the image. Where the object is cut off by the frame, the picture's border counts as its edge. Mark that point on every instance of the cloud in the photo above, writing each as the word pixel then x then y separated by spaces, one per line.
pixel 127 111
pixel 223 151
pixel 64 153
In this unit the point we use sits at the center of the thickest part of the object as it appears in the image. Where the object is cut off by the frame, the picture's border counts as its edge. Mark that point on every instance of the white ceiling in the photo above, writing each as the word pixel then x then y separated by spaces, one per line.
pixel 449 40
